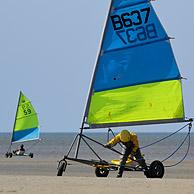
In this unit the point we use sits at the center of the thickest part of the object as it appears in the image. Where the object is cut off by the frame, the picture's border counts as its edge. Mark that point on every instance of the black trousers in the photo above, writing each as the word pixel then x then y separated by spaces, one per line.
pixel 137 155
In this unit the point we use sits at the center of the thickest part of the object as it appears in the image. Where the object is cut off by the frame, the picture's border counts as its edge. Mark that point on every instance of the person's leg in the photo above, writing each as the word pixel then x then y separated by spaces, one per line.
pixel 123 162
pixel 141 160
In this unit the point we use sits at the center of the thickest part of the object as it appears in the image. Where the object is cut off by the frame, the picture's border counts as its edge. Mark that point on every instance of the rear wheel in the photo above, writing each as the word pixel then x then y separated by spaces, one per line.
pixel 147 174
pixel 61 168
pixel 156 170
pixel 101 172
pixel 10 155
pixel 31 155
pixel 7 155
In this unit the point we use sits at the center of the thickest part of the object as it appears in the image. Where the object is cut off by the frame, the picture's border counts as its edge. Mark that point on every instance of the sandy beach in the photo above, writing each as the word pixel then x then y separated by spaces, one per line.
pixel 25 175
pixel 38 175
pixel 88 185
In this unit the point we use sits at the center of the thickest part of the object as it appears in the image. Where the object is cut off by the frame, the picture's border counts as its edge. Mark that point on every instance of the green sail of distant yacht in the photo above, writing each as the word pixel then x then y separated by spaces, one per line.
pixel 26 126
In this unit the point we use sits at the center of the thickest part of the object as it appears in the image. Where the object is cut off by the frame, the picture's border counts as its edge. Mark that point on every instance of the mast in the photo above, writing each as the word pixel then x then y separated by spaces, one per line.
pixel 9 149
pixel 92 80
pixel 100 51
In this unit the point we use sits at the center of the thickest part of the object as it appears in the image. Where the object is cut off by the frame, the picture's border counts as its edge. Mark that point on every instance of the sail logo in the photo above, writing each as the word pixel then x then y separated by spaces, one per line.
pixel 132 27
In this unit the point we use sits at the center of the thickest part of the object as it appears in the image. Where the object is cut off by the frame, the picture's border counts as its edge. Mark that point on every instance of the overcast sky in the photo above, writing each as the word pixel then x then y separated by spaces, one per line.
pixel 48 50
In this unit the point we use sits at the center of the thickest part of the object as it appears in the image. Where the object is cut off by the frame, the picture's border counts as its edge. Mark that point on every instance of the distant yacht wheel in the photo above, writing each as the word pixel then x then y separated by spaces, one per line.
pixel 7 155
pixel 10 155
pixel 31 155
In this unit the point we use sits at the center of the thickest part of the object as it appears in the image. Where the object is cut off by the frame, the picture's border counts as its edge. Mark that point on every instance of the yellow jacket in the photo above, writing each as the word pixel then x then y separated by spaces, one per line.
pixel 133 139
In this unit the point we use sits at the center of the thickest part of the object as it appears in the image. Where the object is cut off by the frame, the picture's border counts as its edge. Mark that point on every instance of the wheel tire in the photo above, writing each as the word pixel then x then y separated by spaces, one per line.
pixel 101 172
pixel 7 155
pixel 61 169
pixel 156 170
pixel 147 174
pixel 31 155
pixel 10 155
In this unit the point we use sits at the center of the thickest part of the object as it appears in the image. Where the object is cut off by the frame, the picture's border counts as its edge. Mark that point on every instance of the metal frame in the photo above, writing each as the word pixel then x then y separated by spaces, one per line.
pixel 83 137
pixel 100 163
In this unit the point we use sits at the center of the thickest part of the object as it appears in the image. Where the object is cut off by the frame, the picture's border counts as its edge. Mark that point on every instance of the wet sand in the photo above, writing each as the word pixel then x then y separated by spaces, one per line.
pixel 48 167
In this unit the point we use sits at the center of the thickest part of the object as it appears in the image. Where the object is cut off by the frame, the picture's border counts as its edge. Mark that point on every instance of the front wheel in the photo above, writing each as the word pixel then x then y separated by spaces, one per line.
pixel 61 168
pixel 156 170
pixel 7 155
pixel 10 155
pixel 101 172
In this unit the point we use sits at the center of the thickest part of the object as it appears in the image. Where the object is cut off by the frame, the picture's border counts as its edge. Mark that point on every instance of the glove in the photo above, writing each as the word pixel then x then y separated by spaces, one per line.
pixel 107 146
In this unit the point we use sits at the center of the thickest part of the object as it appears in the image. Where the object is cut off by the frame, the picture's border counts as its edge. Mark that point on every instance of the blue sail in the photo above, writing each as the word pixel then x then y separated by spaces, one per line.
pixel 134 55
pixel 125 3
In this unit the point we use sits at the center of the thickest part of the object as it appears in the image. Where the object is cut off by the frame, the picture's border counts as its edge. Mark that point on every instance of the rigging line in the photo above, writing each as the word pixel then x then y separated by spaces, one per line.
pixel 166 136
pixel 189 143
pixel 92 149
pixel 177 147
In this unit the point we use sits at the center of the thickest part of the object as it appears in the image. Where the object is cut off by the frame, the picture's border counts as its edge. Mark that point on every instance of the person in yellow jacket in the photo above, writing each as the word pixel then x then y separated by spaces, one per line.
pixel 131 144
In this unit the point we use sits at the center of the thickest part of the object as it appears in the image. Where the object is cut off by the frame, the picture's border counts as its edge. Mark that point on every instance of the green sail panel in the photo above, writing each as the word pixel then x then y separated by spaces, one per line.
pixel 26 125
pixel 147 102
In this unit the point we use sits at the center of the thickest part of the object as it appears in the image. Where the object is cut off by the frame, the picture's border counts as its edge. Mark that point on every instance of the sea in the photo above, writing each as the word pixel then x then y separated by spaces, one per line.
pixel 56 145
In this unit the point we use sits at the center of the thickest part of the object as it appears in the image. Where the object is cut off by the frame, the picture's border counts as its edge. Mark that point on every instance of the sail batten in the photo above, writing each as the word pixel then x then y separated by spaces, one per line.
pixel 137 45
pixel 138 83
pixel 123 4
pixel 137 80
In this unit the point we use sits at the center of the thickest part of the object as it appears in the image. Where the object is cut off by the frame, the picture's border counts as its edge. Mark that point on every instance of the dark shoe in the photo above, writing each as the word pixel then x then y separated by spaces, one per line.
pixel 119 175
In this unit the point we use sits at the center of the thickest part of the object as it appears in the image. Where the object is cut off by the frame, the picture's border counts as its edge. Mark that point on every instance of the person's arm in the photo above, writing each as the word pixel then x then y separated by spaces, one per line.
pixel 114 141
